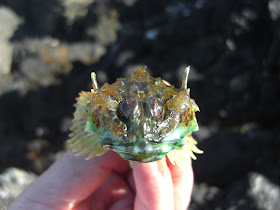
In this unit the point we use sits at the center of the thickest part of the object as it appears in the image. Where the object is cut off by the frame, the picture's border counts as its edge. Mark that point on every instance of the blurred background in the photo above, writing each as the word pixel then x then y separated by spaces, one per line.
pixel 49 48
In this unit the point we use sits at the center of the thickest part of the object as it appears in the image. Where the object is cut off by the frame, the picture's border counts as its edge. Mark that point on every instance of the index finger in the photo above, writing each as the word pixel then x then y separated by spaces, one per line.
pixel 69 180
pixel 182 179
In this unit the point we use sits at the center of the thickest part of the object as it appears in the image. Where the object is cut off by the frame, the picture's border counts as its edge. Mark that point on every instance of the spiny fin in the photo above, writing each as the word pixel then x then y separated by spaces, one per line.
pixel 180 157
pixel 81 141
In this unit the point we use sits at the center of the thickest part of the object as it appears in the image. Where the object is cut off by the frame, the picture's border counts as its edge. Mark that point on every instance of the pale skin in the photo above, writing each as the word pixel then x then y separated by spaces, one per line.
pixel 108 182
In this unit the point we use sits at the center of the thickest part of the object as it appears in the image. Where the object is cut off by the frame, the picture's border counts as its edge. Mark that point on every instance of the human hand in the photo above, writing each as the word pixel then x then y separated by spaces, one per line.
pixel 108 182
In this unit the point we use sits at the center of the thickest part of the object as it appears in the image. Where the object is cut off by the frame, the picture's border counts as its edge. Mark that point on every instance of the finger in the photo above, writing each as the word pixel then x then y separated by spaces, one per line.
pixel 114 193
pixel 122 167
pixel 182 183
pixel 119 170
pixel 154 188
pixel 85 204
pixel 130 180
pixel 69 180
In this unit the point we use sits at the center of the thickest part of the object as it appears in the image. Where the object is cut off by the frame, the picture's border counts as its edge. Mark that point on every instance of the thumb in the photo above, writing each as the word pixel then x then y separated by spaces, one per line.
pixel 154 187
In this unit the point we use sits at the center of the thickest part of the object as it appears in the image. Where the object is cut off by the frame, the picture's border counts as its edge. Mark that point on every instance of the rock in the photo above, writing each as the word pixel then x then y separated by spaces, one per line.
pixel 252 191
pixel 228 155
pixel 12 182
pixel 44 17
pixel 203 196
pixel 39 62
pixel 75 10
pixel 104 31
pixel 129 3
pixel 265 193
pixel 15 5
pixel 233 197
pixel 233 48
pixel 85 52
pixel 274 9
pixel 9 23
pixel 6 57
pixel 4 81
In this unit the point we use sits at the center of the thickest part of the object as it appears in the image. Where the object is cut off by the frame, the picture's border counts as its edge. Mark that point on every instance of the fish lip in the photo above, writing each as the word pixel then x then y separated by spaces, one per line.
pixel 148 147
pixel 107 143
pixel 129 150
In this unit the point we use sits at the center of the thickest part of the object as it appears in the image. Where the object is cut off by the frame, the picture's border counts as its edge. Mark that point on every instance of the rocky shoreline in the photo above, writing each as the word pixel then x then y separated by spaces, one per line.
pixel 49 48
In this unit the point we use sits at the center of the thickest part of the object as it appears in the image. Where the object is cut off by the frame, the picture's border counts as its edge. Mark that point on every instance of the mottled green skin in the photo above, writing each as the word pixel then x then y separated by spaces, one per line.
pixel 141 118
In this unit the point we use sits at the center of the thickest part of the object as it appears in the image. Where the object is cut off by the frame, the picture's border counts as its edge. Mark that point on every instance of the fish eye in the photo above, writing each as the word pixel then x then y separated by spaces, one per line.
pixel 167 99
pixel 126 108
pixel 157 108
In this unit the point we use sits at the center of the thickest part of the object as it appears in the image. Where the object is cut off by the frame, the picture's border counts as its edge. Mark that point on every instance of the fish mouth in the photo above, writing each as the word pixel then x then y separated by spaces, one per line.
pixel 143 150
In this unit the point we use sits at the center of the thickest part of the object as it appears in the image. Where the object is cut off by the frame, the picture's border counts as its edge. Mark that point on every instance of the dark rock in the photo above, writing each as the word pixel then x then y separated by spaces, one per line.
pixel 229 155
pixel 44 16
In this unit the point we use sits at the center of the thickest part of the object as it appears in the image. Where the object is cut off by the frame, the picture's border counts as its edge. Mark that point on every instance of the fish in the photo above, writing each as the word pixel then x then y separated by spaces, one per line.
pixel 140 117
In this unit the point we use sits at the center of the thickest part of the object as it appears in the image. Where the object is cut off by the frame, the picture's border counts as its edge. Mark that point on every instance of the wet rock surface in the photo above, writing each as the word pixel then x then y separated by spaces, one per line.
pixel 49 48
